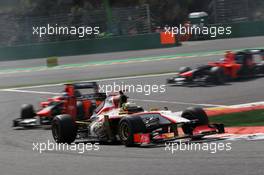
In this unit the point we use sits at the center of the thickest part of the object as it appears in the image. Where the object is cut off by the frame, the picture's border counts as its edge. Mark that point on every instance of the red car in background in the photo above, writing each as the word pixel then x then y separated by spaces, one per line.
pixel 247 63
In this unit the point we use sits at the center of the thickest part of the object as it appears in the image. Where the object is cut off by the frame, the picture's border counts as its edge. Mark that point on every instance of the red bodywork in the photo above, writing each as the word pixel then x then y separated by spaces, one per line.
pixel 229 65
pixel 67 103
pixel 230 69
pixel 187 74
pixel 234 65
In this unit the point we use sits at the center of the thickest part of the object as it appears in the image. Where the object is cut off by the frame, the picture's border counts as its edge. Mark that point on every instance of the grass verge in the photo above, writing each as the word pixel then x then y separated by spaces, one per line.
pixel 250 118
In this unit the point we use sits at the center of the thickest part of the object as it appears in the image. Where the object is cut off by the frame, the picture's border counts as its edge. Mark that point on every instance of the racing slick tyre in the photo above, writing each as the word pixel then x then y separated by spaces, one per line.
pixel 197 114
pixel 27 111
pixel 80 111
pixel 184 69
pixel 128 126
pixel 63 129
pixel 259 69
pixel 77 93
pixel 217 75
pixel 170 81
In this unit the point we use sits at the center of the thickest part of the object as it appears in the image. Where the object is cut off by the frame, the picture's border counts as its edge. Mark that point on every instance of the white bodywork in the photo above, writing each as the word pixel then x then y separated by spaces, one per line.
pixel 174 116
pixel 114 112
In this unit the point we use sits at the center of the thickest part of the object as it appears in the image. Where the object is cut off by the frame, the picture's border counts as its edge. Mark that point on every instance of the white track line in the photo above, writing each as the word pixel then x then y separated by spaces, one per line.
pixel 142 100
pixel 98 80
pixel 31 92
pixel 260 103
pixel 151 101
pixel 178 102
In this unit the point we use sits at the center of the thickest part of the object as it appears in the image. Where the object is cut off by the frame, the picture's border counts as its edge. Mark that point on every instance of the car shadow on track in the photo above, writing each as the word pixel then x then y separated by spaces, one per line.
pixel 200 85
pixel 248 79
pixel 159 145
pixel 33 128
pixel 204 140
pixel 228 83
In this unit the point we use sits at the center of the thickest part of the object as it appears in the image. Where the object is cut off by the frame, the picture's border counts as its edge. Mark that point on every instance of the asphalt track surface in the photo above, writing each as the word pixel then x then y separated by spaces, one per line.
pixel 16 150
pixel 120 68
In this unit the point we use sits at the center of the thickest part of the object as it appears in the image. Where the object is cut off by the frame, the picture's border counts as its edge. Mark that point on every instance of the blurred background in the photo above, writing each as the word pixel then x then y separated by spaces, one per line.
pixel 114 17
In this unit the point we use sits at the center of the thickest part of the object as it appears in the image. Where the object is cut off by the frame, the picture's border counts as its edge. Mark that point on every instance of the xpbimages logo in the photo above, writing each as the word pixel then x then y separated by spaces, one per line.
pixel 51 146
pixel 81 31
pixel 212 31
pixel 145 89
pixel 211 147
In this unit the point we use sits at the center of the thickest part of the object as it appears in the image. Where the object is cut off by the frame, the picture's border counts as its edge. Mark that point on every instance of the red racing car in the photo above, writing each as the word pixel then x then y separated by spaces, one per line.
pixel 75 96
pixel 247 63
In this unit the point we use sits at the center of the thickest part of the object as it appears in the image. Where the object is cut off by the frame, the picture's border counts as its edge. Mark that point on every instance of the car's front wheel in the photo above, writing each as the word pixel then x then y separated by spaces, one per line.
pixel 195 114
pixel 217 75
pixel 27 111
pixel 129 126
pixel 184 69
pixel 259 69
pixel 64 129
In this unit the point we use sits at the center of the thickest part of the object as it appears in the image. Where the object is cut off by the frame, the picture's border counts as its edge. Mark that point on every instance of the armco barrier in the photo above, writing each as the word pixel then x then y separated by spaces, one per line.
pixel 244 29
pixel 80 47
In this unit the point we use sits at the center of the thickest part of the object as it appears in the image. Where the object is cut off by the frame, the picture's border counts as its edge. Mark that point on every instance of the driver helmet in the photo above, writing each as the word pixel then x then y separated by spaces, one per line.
pixel 125 106
pixel 229 56
pixel 64 95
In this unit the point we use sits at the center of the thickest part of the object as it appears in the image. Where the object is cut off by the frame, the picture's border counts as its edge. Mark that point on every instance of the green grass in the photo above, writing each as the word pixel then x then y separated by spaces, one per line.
pixel 251 118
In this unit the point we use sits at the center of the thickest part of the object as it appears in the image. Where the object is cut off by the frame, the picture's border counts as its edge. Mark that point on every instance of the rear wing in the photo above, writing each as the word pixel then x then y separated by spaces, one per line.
pixel 71 88
pixel 84 85
pixel 256 51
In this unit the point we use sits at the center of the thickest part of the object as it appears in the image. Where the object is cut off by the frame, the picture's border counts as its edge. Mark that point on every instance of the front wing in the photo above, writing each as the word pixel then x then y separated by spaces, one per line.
pixel 198 133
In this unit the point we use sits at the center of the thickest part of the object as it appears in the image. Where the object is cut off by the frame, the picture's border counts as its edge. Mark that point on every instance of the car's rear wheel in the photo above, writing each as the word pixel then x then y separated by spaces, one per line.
pixel 27 111
pixel 129 126
pixel 196 114
pixel 259 69
pixel 184 69
pixel 217 75
pixel 63 129
pixel 80 111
